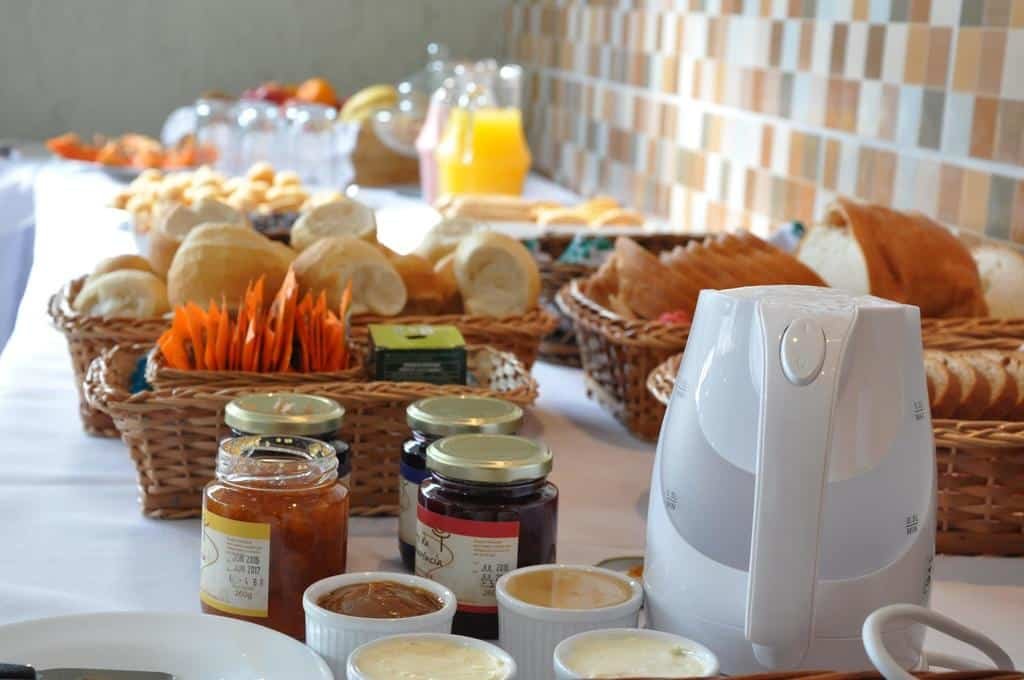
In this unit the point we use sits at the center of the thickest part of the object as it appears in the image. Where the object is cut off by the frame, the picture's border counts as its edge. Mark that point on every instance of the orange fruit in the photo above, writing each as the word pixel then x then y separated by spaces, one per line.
pixel 317 91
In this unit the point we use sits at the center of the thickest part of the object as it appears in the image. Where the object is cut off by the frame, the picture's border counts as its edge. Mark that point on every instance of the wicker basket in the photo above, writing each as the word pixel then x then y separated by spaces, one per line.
pixel 519 335
pixel 160 376
pixel 561 346
pixel 618 354
pixel 90 336
pixel 981 487
pixel 980 478
pixel 172 434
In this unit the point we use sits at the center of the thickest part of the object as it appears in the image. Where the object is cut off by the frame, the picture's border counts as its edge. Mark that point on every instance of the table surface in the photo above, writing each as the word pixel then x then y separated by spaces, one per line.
pixel 73 539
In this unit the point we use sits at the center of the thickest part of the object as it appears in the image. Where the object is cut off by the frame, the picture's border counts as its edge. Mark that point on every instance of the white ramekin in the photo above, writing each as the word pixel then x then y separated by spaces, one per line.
pixel 354 674
pixel 333 636
pixel 562 672
pixel 530 633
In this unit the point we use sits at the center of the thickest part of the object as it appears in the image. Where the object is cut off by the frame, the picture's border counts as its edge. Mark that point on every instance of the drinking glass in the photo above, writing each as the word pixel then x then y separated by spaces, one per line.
pixel 312 144
pixel 215 126
pixel 261 134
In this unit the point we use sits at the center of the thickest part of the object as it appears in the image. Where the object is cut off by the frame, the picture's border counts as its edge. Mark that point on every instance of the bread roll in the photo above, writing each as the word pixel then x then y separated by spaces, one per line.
pixel 422 285
pixel 1002 279
pixel 338 218
pixel 445 236
pixel 126 293
pixel 618 218
pixel 219 260
pixel 330 263
pixel 497 275
pixel 176 222
pixel 553 216
pixel 595 206
pixel 904 257
pixel 119 263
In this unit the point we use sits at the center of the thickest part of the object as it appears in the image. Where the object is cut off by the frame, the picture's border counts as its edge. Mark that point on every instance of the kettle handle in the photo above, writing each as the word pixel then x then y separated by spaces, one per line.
pixel 874 643
pixel 800 382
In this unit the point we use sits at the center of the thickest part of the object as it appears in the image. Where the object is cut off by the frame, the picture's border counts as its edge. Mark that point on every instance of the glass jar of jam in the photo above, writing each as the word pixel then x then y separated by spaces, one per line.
pixel 431 419
pixel 486 509
pixel 275 520
pixel 305 415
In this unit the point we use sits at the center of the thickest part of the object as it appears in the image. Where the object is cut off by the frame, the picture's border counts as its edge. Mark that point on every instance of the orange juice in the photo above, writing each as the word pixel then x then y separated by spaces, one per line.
pixel 483 151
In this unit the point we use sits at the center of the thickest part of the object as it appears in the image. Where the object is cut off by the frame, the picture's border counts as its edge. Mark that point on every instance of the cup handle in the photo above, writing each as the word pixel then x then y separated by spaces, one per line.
pixel 886 664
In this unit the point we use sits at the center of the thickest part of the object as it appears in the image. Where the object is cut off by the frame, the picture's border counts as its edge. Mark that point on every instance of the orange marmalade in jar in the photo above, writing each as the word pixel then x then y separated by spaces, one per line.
pixel 275 520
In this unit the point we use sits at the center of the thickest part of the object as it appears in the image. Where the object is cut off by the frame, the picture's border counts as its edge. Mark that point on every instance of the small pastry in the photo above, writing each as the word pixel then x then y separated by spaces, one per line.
pixel 126 293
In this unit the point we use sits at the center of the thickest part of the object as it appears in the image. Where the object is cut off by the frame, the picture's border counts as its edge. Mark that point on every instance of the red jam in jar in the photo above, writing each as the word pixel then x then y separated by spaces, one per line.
pixel 275 520
pixel 487 509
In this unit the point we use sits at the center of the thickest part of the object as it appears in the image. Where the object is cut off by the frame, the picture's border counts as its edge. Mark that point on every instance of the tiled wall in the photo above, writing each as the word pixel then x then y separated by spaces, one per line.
pixel 743 113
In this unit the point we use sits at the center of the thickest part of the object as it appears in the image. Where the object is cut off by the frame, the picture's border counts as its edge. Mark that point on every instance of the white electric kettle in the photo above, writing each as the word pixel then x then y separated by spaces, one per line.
pixel 794 488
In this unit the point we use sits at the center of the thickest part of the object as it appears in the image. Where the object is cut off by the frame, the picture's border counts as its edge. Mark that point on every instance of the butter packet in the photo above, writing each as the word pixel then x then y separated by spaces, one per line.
pixel 419 353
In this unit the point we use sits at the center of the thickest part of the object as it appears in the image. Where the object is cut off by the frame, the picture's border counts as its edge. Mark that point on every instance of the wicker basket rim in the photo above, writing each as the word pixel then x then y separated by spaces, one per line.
pixel 645 333
pixel 101 393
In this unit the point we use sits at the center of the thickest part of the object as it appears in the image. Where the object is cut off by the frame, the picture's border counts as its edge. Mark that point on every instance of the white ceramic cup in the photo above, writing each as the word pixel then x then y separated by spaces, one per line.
pixel 334 636
pixel 494 650
pixel 564 649
pixel 530 633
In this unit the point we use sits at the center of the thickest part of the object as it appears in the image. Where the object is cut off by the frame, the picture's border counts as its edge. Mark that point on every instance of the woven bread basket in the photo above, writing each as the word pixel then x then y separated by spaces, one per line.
pixel 980 478
pixel 519 335
pixel 161 376
pixel 561 346
pixel 617 355
pixel 90 336
pixel 173 434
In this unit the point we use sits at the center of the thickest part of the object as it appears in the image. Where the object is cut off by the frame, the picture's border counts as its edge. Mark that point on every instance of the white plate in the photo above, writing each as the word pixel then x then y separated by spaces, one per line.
pixel 190 646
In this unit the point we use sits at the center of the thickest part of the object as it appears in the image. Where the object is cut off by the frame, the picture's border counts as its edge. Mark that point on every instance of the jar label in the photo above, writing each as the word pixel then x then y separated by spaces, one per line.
pixel 408 500
pixel 467 556
pixel 234 571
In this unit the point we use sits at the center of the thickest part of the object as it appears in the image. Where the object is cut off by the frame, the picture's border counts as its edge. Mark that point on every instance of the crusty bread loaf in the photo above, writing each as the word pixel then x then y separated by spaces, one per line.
pixel 1001 269
pixel 176 223
pixel 627 280
pixel 899 256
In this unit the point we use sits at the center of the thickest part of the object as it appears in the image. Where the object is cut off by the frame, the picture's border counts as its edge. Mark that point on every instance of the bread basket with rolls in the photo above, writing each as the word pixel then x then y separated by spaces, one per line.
pixel 122 301
pixel 635 312
pixel 172 432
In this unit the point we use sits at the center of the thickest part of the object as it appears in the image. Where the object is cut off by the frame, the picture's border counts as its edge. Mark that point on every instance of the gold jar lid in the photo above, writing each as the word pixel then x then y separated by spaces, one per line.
pixel 446 416
pixel 489 458
pixel 276 447
pixel 284 413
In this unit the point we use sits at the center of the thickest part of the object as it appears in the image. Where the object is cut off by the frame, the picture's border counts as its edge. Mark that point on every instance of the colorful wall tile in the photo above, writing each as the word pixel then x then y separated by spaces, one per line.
pixel 723 114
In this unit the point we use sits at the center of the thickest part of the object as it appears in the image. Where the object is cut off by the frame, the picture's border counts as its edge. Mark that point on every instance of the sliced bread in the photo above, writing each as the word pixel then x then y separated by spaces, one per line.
pixel 974 390
pixel 1002 387
pixel 943 387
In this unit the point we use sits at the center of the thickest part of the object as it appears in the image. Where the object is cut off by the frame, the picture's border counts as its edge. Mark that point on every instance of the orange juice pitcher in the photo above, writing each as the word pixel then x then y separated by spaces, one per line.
pixel 483 148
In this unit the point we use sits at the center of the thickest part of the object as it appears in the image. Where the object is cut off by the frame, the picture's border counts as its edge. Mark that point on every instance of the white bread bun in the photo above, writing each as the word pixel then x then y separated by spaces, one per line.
pixel 120 262
pixel 445 236
pixel 497 275
pixel 445 270
pixel 218 261
pixel 175 224
pixel 126 293
pixel 1002 279
pixel 837 258
pixel 337 218
pixel 330 263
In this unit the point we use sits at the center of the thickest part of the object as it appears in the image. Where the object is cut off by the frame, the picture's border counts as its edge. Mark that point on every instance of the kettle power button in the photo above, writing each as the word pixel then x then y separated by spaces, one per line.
pixel 802 351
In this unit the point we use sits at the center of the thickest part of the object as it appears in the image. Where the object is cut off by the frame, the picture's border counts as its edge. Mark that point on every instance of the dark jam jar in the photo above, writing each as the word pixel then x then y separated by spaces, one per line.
pixel 302 415
pixel 431 419
pixel 486 509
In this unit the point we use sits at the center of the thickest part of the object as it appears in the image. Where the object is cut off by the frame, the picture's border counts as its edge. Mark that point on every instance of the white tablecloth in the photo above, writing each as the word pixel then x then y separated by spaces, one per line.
pixel 73 539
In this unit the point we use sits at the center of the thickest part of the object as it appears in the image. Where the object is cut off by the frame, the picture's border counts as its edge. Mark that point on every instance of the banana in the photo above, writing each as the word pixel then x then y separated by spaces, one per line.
pixel 362 104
